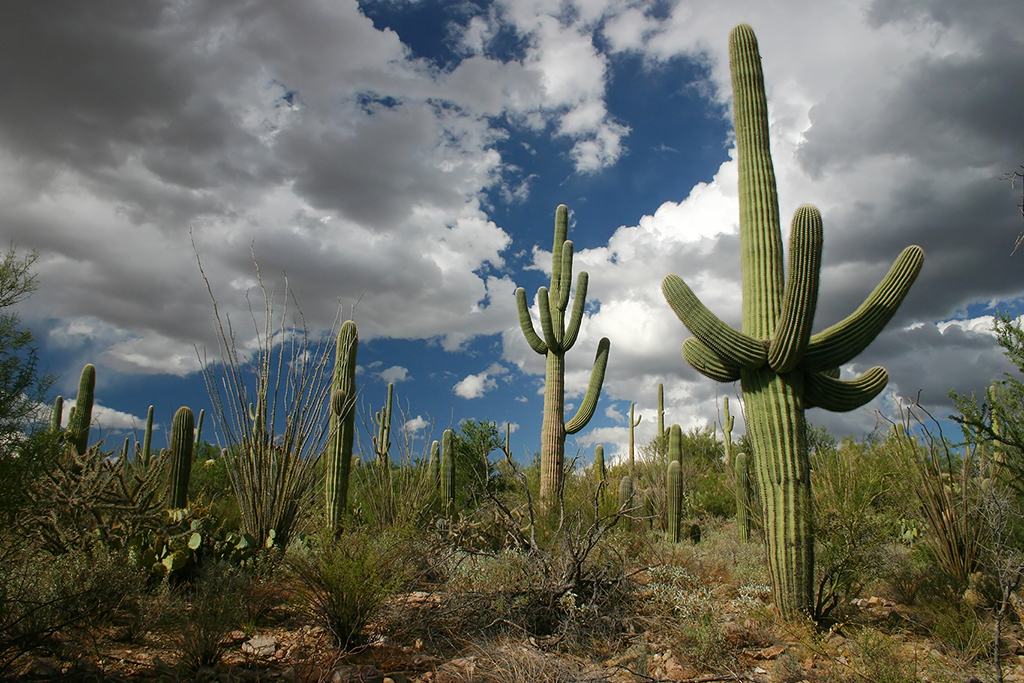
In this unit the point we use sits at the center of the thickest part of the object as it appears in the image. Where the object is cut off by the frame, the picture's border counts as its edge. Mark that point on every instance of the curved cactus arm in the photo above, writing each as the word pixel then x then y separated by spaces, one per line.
pixel 800 297
pixel 730 344
pixel 589 403
pixel 841 396
pixel 526 323
pixel 708 363
pixel 546 323
pixel 564 282
pixel 576 318
pixel 844 340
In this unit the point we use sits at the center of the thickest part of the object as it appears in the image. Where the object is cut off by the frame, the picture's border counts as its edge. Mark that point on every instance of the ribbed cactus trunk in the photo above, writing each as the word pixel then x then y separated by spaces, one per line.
pixel 599 466
pixel 742 478
pixel 625 491
pixel 448 471
pixel 182 441
pixel 81 418
pixel 557 340
pixel 147 438
pixel 341 425
pixel 674 485
pixel 782 368
pixel 632 435
pixel 728 421
pixel 57 417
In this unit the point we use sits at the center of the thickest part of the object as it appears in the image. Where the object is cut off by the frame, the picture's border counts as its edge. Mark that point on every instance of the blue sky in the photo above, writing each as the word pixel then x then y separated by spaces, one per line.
pixel 409 155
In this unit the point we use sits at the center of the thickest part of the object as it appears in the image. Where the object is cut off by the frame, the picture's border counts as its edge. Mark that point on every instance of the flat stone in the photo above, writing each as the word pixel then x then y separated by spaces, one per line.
pixel 260 646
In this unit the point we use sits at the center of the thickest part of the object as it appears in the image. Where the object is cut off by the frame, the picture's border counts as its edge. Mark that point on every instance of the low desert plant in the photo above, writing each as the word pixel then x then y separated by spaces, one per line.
pixel 212 607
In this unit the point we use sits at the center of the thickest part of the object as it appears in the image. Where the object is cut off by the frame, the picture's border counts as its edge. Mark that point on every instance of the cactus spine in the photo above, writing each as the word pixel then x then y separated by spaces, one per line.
pixel 727 424
pixel 81 418
pixel 341 425
pixel 447 470
pixel 783 369
pixel 182 441
pixel 557 339
pixel 742 496
pixel 599 467
pixel 382 440
pixel 632 431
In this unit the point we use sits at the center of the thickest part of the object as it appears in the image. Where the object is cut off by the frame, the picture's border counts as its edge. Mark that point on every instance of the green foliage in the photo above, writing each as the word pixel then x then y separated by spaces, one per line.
pixel 476 474
pixel 217 603
pixel 342 582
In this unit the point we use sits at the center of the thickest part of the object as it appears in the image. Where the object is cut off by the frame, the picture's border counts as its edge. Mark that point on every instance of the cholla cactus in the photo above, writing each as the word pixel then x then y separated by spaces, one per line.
pixel 782 367
pixel 559 338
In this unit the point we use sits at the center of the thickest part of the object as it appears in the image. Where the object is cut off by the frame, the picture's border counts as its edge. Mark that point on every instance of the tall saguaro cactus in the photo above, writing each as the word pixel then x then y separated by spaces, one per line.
pixel 341 425
pixel 182 441
pixel 81 418
pixel 783 369
pixel 559 338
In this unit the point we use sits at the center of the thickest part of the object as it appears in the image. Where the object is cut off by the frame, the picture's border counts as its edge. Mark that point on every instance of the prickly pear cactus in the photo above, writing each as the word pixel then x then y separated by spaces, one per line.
pixel 782 368
pixel 81 418
pixel 557 339
pixel 182 441
pixel 341 425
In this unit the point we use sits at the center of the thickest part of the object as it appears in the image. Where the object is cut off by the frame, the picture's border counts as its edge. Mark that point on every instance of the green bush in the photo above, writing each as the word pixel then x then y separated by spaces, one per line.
pixel 342 582
pixel 213 606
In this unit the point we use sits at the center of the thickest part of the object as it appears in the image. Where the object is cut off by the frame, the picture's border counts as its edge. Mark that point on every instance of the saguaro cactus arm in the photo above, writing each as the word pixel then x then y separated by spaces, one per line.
pixel 839 396
pixel 576 317
pixel 526 323
pixel 708 363
pixel 589 404
pixel 800 298
pixel 729 344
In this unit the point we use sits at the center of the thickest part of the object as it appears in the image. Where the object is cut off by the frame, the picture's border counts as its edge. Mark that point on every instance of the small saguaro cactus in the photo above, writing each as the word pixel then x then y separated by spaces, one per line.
pixel 625 491
pixel 81 417
pixel 662 436
pixel 448 470
pixel 632 434
pixel 341 425
pixel 742 496
pixel 147 438
pixel 382 439
pixel 599 466
pixel 559 338
pixel 782 368
pixel 58 415
pixel 674 484
pixel 182 441
pixel 434 466
pixel 727 424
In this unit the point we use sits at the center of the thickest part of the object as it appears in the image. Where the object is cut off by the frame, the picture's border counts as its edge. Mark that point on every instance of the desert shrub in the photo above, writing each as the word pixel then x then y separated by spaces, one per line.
pixel 385 497
pixel 212 606
pixel 70 595
pixel 341 582
pixel 852 527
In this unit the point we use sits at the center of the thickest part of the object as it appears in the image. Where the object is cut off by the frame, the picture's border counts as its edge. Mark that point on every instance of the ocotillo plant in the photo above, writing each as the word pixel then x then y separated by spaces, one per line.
pixel 632 431
pixel 81 418
pixel 742 496
pixel 559 338
pixel 182 440
pixel 448 471
pixel 382 420
pixel 727 424
pixel 341 425
pixel 783 369
pixel 599 467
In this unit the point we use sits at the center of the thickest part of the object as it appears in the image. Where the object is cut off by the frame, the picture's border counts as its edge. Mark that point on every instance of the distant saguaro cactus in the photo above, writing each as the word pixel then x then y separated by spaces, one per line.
pixel 81 418
pixel 182 441
pixel 632 434
pixel 57 417
pixel 434 466
pixel 674 484
pixel 625 491
pixel 341 425
pixel 742 496
pixel 382 439
pixel 557 340
pixel 662 436
pixel 599 466
pixel 783 369
pixel 727 424
pixel 448 470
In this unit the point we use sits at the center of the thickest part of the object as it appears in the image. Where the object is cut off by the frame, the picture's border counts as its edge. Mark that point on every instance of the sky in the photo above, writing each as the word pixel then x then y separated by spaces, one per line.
pixel 401 161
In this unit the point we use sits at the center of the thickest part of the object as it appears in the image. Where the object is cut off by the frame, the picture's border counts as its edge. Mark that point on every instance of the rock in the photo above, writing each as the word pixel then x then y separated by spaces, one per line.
pixel 237 636
pixel 260 646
